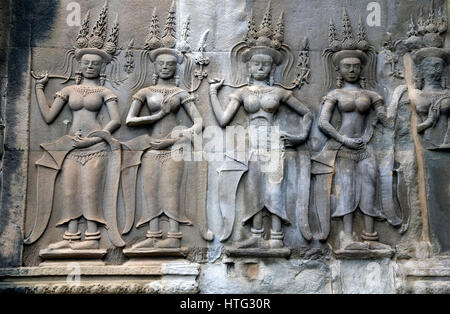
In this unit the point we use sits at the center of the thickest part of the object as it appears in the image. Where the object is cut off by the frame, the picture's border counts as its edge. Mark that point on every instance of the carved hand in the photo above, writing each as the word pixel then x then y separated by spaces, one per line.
pixel 353 143
pixel 84 142
pixel 433 115
pixel 162 144
pixel 215 85
pixel 290 140
pixel 43 81
pixel 165 109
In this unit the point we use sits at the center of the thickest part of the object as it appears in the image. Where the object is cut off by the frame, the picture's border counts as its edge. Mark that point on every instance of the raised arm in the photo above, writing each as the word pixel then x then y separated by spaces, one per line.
pixel 223 116
pixel 49 113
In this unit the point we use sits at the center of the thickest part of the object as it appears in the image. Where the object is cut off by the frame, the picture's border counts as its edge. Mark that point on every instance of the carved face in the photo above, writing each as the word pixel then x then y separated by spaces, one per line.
pixel 91 65
pixel 432 69
pixel 165 66
pixel 350 69
pixel 260 67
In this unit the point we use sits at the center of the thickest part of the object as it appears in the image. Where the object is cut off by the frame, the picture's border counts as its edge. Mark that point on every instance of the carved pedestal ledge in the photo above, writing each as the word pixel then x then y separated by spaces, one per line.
pixel 255 252
pixel 424 276
pixel 49 254
pixel 152 252
pixel 155 277
pixel 363 254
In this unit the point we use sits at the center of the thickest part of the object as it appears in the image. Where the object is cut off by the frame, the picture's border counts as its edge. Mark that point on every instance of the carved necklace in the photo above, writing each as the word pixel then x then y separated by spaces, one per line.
pixel 436 98
pixel 164 91
pixel 259 92
pixel 84 90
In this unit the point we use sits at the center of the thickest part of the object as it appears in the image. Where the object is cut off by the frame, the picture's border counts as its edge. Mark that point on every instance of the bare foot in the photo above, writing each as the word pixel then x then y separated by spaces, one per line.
pixel 85 245
pixel 64 244
pixel 373 245
pixel 169 243
pixel 349 242
pixel 253 242
pixel 357 246
pixel 276 243
pixel 145 244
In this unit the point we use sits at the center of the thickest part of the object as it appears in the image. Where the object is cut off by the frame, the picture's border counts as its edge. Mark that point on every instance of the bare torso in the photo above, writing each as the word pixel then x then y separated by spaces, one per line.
pixel 85 102
pixel 154 98
pixel 261 102
pixel 354 107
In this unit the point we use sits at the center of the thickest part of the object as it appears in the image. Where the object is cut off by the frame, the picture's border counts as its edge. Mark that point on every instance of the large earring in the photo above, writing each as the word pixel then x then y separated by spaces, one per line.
pixel 102 79
pixel 271 80
pixel 363 82
pixel 418 82
pixel 78 77
pixel 155 78
pixel 249 79
pixel 177 80
pixel 271 77
pixel 444 82
pixel 339 80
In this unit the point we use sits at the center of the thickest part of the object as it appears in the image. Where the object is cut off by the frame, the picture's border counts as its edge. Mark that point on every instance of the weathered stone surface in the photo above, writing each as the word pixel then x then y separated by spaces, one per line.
pixel 265 276
pixel 360 204
pixel 363 276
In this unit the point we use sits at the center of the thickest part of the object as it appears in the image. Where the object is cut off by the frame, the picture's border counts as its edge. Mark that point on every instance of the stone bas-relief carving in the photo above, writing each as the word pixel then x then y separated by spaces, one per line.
pixel 160 153
pixel 380 151
pixel 262 51
pixel 346 168
pixel 88 157
pixel 426 64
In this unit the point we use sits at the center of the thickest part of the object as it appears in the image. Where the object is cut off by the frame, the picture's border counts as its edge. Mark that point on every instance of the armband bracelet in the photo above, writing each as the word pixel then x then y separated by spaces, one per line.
pixel 59 95
pixel 112 98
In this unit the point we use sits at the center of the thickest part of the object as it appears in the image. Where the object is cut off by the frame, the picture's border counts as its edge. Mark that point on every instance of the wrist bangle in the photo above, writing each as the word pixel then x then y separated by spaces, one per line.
pixel 213 92
pixel 39 86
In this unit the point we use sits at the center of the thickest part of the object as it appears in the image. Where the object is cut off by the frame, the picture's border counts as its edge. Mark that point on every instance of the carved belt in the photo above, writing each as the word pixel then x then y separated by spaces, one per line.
pixel 162 155
pixel 84 157
pixel 357 155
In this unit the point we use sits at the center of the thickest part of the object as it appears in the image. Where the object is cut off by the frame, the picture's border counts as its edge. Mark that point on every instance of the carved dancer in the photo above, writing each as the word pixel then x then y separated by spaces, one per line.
pixel 162 174
pixel 347 154
pixel 88 158
pixel 431 95
pixel 426 65
pixel 262 52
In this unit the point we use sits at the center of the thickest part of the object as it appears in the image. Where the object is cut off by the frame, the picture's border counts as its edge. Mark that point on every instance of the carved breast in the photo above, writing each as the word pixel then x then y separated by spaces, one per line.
pixel 267 100
pixel 86 97
pixel 156 98
pixel 351 101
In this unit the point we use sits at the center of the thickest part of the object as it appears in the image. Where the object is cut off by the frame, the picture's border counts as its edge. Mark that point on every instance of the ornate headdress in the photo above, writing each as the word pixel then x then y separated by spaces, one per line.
pixel 266 40
pixel 96 42
pixel 156 45
pixel 425 37
pixel 348 47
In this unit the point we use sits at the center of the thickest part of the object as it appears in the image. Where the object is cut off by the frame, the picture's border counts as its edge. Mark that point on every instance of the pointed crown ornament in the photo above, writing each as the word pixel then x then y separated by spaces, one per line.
pixel 156 44
pixel 96 41
pixel 265 40
pixel 426 38
pixel 349 46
